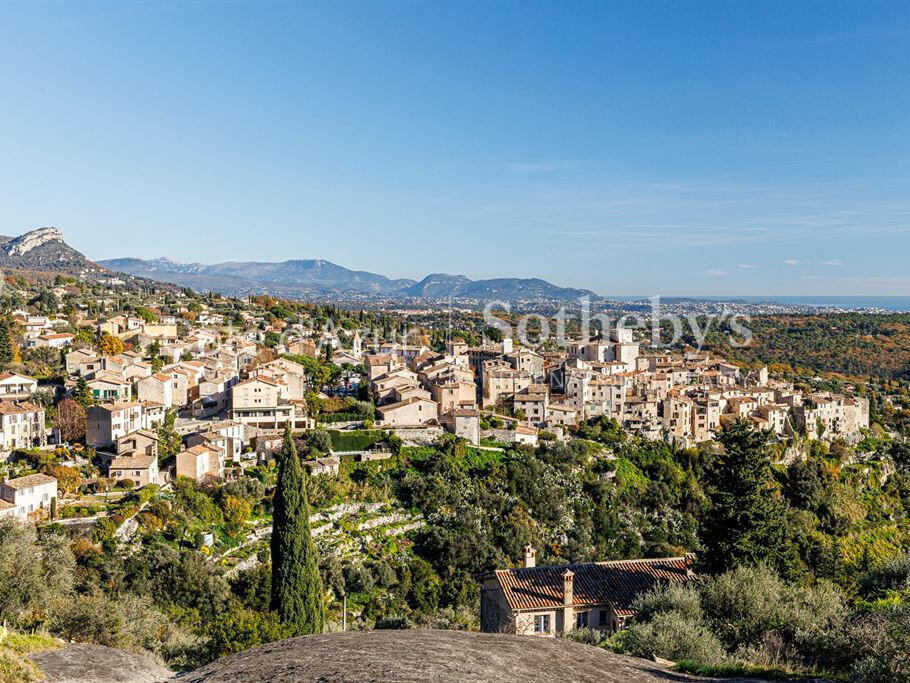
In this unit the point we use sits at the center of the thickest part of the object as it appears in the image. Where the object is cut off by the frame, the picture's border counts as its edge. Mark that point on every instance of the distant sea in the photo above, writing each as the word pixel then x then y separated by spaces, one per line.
pixel 890 303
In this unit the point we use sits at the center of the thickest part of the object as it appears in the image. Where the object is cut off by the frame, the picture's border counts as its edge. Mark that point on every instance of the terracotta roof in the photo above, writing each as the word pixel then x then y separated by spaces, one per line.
pixel 116 407
pixel 529 397
pixel 132 462
pixel 201 449
pixel 30 480
pixel 595 583
pixel 8 375
pixel 147 433
pixel 8 408
pixel 212 436
pixel 401 404
pixel 108 378
pixel 258 378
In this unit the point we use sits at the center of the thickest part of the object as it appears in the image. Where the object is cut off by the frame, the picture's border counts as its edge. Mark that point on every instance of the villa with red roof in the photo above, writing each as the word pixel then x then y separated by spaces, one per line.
pixel 550 601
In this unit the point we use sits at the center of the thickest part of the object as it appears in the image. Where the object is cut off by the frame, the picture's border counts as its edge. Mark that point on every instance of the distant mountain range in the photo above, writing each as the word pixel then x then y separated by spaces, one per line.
pixel 318 277
pixel 44 250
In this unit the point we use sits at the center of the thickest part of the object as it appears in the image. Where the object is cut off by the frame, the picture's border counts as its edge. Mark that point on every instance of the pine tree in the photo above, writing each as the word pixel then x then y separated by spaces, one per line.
pixel 82 394
pixel 745 522
pixel 6 343
pixel 297 594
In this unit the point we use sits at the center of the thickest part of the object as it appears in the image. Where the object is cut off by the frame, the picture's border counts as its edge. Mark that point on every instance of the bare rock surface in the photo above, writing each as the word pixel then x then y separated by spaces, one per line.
pixel 81 663
pixel 429 655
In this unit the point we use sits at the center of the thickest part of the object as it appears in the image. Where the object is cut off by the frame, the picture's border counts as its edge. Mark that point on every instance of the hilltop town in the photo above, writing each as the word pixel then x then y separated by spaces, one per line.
pixel 232 383
pixel 144 425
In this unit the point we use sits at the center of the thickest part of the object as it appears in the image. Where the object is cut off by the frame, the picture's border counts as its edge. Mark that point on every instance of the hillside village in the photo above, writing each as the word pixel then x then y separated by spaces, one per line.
pixel 146 423
pixel 231 395
pixel 454 342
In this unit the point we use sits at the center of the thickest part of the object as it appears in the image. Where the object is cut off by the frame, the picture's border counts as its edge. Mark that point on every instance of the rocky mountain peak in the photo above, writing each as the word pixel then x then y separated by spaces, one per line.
pixel 18 246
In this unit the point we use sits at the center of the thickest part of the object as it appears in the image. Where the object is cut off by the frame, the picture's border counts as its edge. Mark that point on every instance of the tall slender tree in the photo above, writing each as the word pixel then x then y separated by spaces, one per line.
pixel 6 343
pixel 745 522
pixel 297 594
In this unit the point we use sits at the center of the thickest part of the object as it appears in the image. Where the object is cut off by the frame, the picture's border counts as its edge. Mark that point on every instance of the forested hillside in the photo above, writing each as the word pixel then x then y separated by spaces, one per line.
pixel 402 542
pixel 854 344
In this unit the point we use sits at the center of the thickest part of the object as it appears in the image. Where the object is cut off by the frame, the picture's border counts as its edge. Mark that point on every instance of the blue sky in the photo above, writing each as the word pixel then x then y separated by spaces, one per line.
pixel 642 148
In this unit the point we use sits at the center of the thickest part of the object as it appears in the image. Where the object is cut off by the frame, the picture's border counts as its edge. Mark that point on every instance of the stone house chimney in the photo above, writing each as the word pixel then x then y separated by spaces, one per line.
pixel 568 609
pixel 530 556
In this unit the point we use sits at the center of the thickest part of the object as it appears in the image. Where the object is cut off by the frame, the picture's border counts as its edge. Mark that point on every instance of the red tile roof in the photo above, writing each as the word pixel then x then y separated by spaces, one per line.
pixel 596 583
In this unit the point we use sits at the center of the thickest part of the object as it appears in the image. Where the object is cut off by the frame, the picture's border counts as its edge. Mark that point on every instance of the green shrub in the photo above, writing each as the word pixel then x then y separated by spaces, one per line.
pixel 682 600
pixel 585 636
pixel 670 636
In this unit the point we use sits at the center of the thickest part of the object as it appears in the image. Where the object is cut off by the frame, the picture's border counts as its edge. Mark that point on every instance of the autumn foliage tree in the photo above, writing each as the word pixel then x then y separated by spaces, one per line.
pixel 68 479
pixel 109 345
pixel 70 420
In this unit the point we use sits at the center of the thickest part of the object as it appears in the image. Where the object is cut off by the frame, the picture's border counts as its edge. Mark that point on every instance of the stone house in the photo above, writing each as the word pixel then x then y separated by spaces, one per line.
pixel 200 462
pixel 215 393
pixel 464 423
pixel 82 358
pixel 139 468
pixel 551 601
pixel 414 411
pixel 525 435
pixel 16 387
pixel 26 496
pixel 258 402
pixel 21 426
pixel 158 388
pixel 328 465
pixel 56 340
pixel 140 442
pixel 226 437
pixel 106 386
pixel 502 383
pixel 561 415
pixel 534 403
pixel 108 422
pixel 181 380
pixel 382 364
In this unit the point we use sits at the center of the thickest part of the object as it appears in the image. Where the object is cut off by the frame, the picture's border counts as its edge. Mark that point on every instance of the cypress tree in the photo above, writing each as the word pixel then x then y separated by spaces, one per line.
pixel 745 522
pixel 297 595
pixel 6 343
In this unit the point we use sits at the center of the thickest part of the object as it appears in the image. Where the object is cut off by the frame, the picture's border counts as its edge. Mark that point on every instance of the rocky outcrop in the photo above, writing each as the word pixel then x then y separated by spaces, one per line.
pixel 45 251
pixel 81 663
pixel 429 655
pixel 32 240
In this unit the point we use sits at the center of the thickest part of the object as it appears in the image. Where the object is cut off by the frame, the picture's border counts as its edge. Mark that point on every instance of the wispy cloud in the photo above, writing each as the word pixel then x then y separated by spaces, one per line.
pixel 748 266
pixel 717 272
pixel 791 262
pixel 833 262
